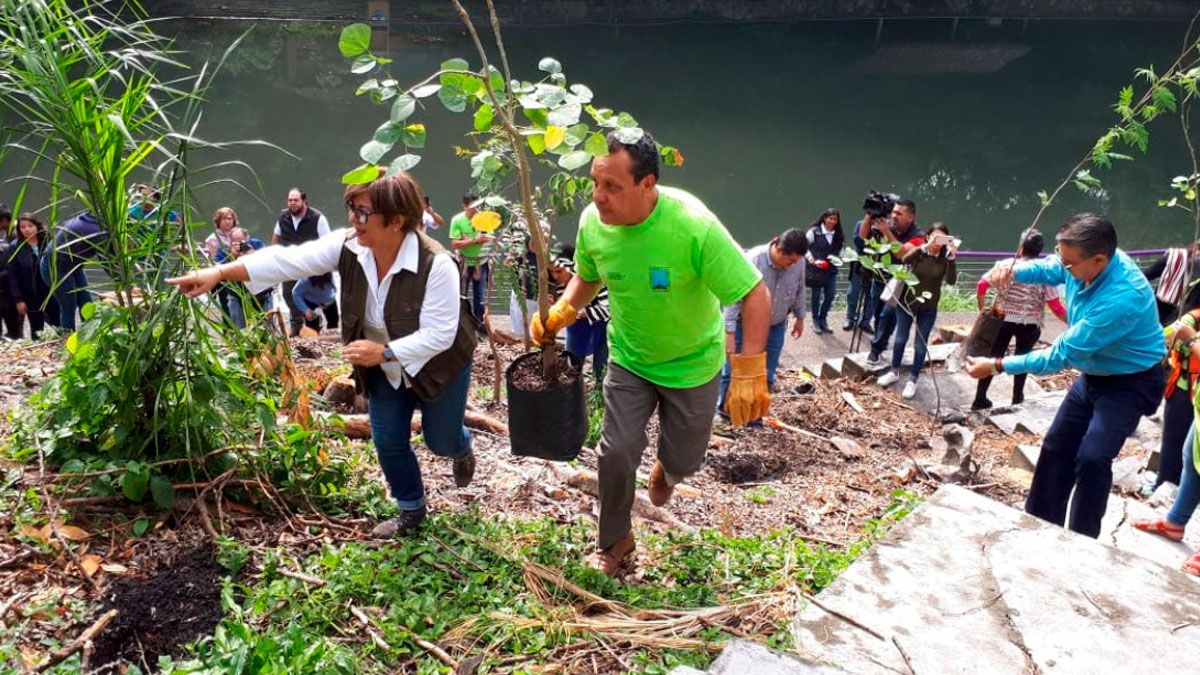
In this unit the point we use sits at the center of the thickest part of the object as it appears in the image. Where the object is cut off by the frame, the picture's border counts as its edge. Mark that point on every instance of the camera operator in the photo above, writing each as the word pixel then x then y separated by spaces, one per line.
pixel 240 244
pixel 900 228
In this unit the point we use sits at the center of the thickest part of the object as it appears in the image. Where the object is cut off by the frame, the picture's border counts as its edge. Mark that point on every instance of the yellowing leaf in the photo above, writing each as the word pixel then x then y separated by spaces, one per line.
pixel 72 533
pixel 485 221
pixel 113 568
pixel 554 136
pixel 90 563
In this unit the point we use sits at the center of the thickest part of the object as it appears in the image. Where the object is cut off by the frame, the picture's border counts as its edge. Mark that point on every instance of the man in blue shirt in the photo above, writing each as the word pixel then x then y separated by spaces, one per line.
pixel 1114 338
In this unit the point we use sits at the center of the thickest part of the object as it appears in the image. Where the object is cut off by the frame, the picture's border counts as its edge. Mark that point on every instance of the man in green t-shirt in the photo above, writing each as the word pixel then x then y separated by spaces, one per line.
pixel 669 264
pixel 468 242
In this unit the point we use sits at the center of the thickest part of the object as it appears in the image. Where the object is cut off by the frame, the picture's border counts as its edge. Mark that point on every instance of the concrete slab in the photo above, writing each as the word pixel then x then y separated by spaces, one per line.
pixel 742 657
pixel 831 368
pixel 968 585
pixel 1025 456
pixel 855 365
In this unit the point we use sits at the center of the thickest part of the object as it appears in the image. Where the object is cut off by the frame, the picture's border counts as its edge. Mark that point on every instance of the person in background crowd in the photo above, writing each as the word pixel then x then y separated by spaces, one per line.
pixel 1178 275
pixel 825 240
pixel 901 228
pixel 298 223
pixel 402 329
pixel 224 221
pixel 780 262
pixel 1115 340
pixel 77 241
pixel 316 293
pixel 933 264
pixel 8 306
pixel 145 203
pixel 588 336
pixel 1178 397
pixel 430 218
pixel 524 290
pixel 669 264
pixel 469 244
pixel 1023 314
pixel 28 290
pixel 241 244
pixel 1182 338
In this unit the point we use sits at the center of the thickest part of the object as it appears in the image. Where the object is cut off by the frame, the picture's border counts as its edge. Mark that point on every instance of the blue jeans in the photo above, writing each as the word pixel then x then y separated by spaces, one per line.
pixel 822 298
pixel 587 338
pixel 1093 422
pixel 71 293
pixel 391 412
pixel 1188 496
pixel 884 326
pixel 904 321
pixel 478 287
pixel 775 337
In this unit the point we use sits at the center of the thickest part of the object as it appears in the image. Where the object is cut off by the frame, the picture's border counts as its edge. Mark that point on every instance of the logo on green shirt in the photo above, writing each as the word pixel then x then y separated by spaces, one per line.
pixel 660 279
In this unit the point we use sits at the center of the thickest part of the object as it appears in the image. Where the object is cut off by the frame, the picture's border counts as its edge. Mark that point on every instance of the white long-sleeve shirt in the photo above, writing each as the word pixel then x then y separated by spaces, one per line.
pixel 438 322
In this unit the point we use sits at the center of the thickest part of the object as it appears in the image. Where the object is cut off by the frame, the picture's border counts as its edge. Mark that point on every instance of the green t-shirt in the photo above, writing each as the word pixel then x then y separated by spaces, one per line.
pixel 667 278
pixel 460 227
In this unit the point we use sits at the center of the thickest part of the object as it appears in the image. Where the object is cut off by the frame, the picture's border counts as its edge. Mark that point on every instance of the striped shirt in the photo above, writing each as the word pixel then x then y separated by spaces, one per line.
pixel 1024 303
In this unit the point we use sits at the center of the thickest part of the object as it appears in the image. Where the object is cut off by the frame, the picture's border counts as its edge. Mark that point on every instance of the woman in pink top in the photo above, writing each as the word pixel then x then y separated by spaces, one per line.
pixel 1022 312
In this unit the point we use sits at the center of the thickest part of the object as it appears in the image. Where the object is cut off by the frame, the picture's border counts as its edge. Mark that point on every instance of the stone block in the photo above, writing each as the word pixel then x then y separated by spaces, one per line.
pixel 831 368
pixel 1025 456
pixel 742 657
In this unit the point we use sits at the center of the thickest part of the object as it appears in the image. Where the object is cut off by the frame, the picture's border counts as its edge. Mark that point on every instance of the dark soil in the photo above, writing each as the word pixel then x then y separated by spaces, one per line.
pixel 160 614
pixel 526 373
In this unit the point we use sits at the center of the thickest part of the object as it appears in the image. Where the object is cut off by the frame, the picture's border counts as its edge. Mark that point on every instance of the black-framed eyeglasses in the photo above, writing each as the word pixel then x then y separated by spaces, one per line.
pixel 358 214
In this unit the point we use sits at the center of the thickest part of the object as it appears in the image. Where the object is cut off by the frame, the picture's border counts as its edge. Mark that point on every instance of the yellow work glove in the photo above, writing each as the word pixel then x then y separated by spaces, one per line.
pixel 560 315
pixel 748 398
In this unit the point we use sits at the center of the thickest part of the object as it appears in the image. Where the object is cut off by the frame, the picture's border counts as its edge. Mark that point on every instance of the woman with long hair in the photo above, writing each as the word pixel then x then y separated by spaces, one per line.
pixel 25 284
pixel 825 241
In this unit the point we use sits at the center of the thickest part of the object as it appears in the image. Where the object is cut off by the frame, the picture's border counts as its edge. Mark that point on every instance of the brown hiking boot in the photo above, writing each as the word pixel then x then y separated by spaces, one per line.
pixel 610 560
pixel 657 486
pixel 464 469
pixel 408 522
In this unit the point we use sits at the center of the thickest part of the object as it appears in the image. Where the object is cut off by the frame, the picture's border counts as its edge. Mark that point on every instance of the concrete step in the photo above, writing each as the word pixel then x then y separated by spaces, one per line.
pixel 855 365
pixel 742 657
pixel 968 585
pixel 832 368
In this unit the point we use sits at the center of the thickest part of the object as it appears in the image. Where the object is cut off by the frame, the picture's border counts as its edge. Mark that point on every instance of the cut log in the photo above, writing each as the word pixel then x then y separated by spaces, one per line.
pixel 340 391
pixel 359 426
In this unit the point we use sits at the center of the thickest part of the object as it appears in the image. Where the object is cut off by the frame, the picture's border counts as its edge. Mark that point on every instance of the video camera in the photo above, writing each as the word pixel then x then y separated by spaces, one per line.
pixel 878 204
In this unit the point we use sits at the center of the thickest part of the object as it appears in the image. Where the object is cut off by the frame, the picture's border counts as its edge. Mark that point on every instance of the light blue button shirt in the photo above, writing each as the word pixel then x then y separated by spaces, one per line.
pixel 1112 322
pixel 786 287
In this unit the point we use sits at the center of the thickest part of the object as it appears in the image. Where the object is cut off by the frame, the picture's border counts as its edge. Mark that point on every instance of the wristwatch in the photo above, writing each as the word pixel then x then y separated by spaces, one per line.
pixel 388 354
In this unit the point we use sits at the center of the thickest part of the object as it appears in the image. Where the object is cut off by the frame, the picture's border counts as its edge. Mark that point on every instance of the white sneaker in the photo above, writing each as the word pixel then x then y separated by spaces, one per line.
pixel 887 379
pixel 874 361
pixel 910 389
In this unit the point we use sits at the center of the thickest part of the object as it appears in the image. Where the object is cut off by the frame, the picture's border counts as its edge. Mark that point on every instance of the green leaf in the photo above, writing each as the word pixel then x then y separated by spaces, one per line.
pixel 389 132
pixel 484 117
pixel 403 163
pixel 629 135
pixel 426 90
pixel 88 311
pixel 497 80
pixel 133 483
pixel 73 343
pixel 596 145
pixel 577 133
pixel 363 174
pixel 538 117
pixel 141 526
pixel 414 135
pixel 565 115
pixel 403 107
pixel 162 492
pixel 573 160
pixel 363 64
pixel 355 40
pixel 626 120
pixel 454 98
pixel 1125 98
pixel 370 85
pixel 549 65
pixel 583 92
pixel 373 151
pixel 455 64
pixel 1164 98
pixel 537 143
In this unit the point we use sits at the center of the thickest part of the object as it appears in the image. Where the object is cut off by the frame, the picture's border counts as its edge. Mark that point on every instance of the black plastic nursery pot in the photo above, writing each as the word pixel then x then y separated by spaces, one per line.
pixel 551 421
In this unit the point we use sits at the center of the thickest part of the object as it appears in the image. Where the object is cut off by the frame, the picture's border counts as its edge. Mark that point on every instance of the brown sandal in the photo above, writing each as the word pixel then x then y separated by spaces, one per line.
pixel 610 560
pixel 1160 526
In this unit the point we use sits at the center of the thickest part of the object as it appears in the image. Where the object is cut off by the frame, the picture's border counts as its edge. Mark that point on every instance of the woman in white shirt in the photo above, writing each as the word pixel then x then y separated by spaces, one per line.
pixel 403 326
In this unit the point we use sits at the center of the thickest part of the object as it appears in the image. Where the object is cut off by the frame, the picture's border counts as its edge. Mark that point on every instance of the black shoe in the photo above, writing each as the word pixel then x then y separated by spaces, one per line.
pixel 464 470
pixel 866 328
pixel 848 326
pixel 981 404
pixel 1018 399
pixel 403 525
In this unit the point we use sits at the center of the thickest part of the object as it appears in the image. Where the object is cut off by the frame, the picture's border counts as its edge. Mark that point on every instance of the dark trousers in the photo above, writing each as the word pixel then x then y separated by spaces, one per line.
pixel 1177 419
pixel 1027 335
pixel 295 316
pixel 823 291
pixel 1095 418
pixel 475 278
pixel 13 324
